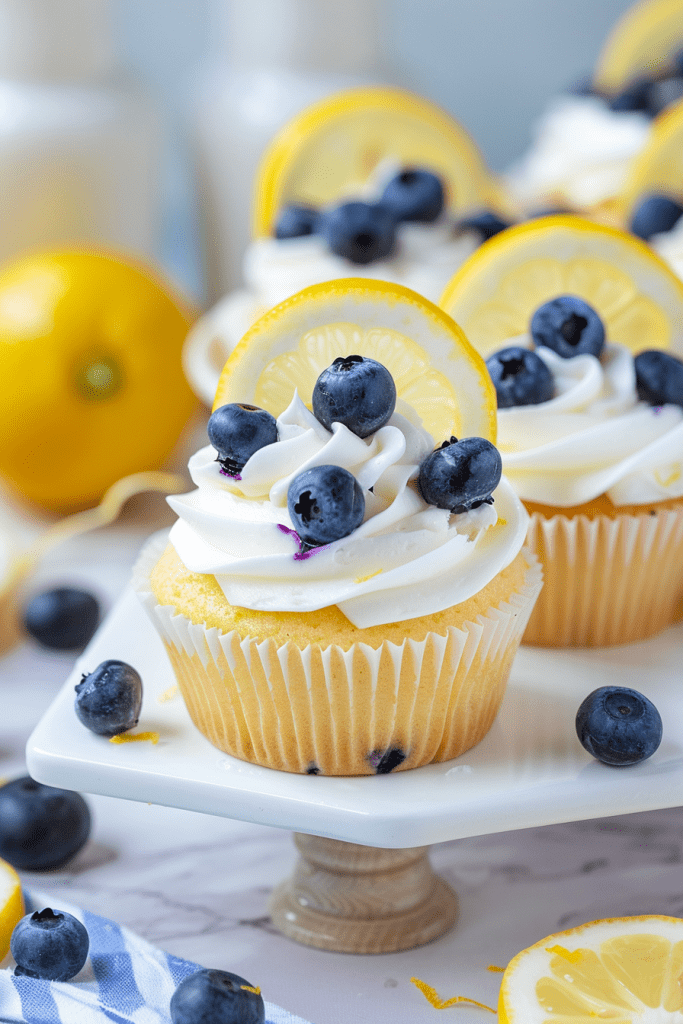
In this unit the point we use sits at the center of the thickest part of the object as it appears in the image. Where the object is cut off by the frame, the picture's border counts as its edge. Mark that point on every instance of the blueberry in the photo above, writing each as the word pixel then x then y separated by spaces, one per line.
pixel 325 503
pixel 41 827
pixel 49 944
pixel 460 475
pixel 677 63
pixel 569 326
pixel 659 378
pixel 63 619
pixel 216 997
pixel 618 726
pixel 635 97
pixel 296 220
pixel 360 232
pixel 663 93
pixel 414 194
pixel 109 699
pixel 520 377
pixel 655 214
pixel 237 431
pixel 486 223
pixel 355 391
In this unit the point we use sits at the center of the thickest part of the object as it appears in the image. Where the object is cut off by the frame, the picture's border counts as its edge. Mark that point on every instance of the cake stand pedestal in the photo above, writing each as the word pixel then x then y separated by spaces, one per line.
pixel 364 883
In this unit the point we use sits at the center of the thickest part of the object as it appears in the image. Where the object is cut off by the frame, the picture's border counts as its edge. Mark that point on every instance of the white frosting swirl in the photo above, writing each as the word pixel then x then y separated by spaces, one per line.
pixel 594 437
pixel 581 152
pixel 405 560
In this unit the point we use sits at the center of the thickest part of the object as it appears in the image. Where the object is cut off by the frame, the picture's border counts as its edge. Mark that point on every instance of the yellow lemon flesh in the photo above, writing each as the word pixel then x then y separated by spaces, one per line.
pixel 337 143
pixel 642 43
pixel 434 368
pixel 11 905
pixel 659 165
pixel 90 364
pixel 622 970
pixel 495 293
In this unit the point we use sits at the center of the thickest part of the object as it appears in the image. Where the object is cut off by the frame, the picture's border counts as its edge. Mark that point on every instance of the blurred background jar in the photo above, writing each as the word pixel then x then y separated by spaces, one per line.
pixel 79 143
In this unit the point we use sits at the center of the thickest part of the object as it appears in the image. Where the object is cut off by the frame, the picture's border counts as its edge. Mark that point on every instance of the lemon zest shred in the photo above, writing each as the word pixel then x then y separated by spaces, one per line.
pixel 364 579
pixel 501 522
pixel 251 988
pixel 137 737
pixel 571 958
pixel 495 970
pixel 167 695
pixel 432 997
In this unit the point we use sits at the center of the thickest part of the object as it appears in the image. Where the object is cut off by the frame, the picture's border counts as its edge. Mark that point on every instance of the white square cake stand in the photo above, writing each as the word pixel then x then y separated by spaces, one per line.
pixel 364 882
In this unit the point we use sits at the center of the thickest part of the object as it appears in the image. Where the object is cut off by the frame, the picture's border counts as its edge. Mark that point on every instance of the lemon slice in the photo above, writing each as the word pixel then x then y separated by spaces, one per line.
pixel 11 905
pixel 496 291
pixel 434 368
pixel 641 43
pixel 659 165
pixel 339 142
pixel 623 970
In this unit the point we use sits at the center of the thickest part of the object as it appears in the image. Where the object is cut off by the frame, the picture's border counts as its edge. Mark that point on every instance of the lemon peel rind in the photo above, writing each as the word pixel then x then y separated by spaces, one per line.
pixel 651 170
pixel 326 303
pixel 268 192
pixel 642 39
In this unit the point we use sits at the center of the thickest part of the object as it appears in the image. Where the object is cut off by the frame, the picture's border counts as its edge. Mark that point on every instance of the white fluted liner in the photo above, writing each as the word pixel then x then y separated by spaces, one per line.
pixel 606 581
pixel 338 712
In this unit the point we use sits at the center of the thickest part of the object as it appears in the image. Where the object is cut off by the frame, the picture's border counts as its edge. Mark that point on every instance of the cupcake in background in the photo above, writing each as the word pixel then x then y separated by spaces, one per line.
pixel 370 182
pixel 345 590
pixel 582 326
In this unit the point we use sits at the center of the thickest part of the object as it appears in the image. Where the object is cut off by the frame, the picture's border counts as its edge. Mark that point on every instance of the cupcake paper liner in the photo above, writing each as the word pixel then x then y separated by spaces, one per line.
pixel 606 581
pixel 331 711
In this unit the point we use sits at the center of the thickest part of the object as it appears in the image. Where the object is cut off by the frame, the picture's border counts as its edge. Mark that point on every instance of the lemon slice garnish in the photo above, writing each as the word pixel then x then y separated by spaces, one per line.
pixel 496 291
pixel 11 905
pixel 623 970
pixel 659 165
pixel 642 42
pixel 341 140
pixel 434 368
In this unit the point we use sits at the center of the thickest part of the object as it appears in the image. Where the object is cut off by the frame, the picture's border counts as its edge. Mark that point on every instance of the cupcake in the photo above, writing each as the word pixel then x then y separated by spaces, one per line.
pixel 369 182
pixel 591 435
pixel 332 600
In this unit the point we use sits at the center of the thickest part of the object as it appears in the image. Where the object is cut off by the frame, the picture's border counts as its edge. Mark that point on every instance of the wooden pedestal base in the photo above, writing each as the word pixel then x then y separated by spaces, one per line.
pixel 359 899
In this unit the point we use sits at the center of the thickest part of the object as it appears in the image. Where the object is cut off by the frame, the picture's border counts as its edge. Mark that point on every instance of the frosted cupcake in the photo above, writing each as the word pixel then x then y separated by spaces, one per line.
pixel 326 606
pixel 371 182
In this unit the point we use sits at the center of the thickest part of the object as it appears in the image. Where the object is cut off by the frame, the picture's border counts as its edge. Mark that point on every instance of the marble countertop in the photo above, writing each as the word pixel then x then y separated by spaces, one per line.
pixel 198 886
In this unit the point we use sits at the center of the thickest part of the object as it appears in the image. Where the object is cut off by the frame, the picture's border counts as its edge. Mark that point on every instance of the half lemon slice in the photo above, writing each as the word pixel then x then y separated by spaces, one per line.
pixel 641 43
pixel 622 970
pixel 435 369
pixel 11 905
pixel 659 165
pixel 336 144
pixel 497 290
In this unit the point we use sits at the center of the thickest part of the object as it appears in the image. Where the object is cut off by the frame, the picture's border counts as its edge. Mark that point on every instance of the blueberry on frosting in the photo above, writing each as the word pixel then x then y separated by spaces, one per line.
pixel 460 475
pixel 486 223
pixel 659 378
pixel 520 377
pixel 568 326
pixel 297 221
pixel 654 215
pixel 360 232
pixel 237 431
pixel 414 195
pixel 355 391
pixel 325 503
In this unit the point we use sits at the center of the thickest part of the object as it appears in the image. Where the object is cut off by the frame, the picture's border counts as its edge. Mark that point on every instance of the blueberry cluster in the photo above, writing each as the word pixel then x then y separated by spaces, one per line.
pixel 365 232
pixel 647 94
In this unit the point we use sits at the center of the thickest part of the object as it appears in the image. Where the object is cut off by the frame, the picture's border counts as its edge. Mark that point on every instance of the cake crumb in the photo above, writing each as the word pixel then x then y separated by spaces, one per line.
pixel 137 737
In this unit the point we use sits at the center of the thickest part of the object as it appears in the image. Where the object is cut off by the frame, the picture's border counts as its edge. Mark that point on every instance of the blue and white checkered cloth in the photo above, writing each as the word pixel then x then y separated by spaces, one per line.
pixel 125 980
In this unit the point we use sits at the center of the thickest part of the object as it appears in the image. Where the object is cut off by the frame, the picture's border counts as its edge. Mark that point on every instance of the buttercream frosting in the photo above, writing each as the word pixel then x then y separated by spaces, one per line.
pixel 407 558
pixel 594 437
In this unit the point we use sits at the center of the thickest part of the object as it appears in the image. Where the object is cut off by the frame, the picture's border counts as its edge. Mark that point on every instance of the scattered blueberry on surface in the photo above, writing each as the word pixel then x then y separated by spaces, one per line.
pixel 325 503
pixel 486 223
pixel 659 378
pixel 216 997
pixel 618 726
pixel 41 827
pixel 360 232
pixel 654 215
pixel 520 377
pixel 569 326
pixel 49 944
pixel 414 195
pixel 296 221
pixel 237 431
pixel 108 700
pixel 355 391
pixel 63 619
pixel 460 475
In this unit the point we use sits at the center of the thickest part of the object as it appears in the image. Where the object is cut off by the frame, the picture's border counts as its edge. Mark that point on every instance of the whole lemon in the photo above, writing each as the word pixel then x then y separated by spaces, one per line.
pixel 90 372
